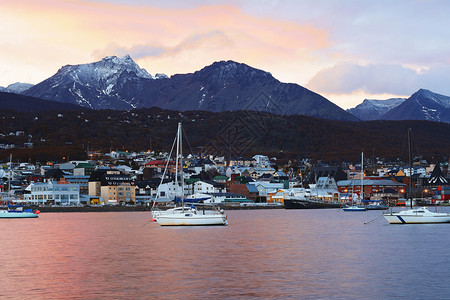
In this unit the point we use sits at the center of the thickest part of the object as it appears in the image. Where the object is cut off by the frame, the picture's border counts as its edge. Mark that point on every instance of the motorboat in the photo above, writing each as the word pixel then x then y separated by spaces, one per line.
pixel 17 211
pixel 354 208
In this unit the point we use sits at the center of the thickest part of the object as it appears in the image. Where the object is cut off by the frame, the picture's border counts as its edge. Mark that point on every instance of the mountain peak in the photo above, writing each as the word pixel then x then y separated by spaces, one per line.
pixel 436 99
pixel 231 71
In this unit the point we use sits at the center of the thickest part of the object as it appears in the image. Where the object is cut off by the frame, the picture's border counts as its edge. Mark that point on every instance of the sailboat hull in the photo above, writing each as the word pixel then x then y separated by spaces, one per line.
pixel 417 216
pixel 189 219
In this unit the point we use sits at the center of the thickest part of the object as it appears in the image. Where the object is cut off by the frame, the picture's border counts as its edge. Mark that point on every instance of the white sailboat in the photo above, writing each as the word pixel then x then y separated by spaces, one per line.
pixel 355 207
pixel 186 215
pixel 419 215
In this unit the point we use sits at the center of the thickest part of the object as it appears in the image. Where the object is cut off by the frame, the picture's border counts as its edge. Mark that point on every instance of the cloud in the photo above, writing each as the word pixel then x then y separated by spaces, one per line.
pixel 218 38
pixel 348 77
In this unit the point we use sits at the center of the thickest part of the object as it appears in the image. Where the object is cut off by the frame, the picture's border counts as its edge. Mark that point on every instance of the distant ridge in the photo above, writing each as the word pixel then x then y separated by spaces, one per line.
pixel 371 110
pixel 21 103
pixel 422 105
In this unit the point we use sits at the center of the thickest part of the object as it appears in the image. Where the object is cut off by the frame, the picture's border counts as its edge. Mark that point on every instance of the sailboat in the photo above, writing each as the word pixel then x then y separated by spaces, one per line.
pixel 355 207
pixel 186 215
pixel 412 215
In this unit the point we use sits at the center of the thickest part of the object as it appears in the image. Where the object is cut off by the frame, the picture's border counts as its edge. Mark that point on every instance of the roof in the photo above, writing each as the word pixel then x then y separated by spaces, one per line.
pixel 252 188
pixel 153 183
pixel 159 162
pixel 84 165
pixel 213 183
pixel 367 182
pixel 115 179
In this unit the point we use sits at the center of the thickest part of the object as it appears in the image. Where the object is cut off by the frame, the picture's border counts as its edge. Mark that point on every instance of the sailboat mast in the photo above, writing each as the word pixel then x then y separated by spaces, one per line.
pixel 181 165
pixel 362 177
pixel 11 174
pixel 410 168
pixel 176 161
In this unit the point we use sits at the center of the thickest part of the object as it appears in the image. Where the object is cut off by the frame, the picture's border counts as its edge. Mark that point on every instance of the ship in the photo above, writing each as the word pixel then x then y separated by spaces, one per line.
pixel 324 194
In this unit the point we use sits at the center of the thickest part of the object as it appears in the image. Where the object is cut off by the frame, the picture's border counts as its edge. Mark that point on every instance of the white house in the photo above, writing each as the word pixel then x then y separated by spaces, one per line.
pixel 169 190
pixel 52 192
pixel 208 186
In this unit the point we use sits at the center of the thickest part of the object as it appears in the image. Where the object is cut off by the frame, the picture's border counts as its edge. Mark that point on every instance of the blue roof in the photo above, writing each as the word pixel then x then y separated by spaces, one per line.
pixel 252 188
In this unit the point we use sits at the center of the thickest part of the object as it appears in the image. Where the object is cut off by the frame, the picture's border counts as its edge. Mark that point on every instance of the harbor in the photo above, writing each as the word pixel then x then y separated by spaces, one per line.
pixel 261 254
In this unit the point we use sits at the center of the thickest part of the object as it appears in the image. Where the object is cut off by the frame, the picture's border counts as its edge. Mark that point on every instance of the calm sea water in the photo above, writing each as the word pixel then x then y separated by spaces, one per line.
pixel 298 254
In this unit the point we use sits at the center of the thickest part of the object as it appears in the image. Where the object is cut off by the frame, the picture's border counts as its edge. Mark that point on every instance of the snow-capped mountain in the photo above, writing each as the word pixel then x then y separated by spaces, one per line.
pixel 422 105
pixel 16 88
pixel 119 83
pixel 374 109
pixel 109 83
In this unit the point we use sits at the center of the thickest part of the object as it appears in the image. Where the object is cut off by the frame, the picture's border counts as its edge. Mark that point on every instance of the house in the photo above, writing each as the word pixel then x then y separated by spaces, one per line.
pixel 277 196
pixel 264 188
pixel 146 190
pixel 83 169
pixel 325 190
pixel 208 186
pixel 160 165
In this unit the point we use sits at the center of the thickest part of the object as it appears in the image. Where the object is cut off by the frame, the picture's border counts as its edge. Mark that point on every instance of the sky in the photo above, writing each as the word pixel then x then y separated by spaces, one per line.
pixel 345 50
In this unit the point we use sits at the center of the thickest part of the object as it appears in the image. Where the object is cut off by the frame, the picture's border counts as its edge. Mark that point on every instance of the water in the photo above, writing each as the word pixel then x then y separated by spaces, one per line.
pixel 298 254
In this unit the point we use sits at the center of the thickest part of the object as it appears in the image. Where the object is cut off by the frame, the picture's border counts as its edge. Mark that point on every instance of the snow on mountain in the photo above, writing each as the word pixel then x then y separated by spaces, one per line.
pixel 422 105
pixel 370 110
pixel 97 85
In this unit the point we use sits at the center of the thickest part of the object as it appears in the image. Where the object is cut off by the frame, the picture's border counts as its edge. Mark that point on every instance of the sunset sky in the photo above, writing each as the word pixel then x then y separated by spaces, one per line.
pixel 345 50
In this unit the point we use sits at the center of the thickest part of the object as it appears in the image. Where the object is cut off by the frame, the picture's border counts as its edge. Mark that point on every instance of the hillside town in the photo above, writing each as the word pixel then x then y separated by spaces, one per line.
pixel 140 179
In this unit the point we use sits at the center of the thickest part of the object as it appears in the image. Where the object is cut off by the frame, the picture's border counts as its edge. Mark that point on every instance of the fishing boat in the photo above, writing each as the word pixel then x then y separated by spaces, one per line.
pixel 17 211
pixel 186 215
pixel 412 215
pixel 354 207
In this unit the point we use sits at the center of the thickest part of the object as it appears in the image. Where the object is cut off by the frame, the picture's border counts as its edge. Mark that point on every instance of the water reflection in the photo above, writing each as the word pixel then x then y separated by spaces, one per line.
pixel 304 254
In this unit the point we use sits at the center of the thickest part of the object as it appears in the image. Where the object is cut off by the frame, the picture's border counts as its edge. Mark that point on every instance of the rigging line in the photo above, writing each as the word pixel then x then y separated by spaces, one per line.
pixel 164 173
pixel 185 136
pixel 374 219
pixel 147 222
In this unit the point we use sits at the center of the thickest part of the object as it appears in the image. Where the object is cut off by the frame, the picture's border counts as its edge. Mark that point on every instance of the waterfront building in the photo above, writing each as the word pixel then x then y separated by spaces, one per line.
pixel 376 188
pixel 112 186
pixel 82 181
pixel 59 193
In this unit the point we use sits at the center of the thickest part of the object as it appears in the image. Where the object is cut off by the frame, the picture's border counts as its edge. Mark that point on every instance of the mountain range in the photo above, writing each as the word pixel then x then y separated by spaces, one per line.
pixel 119 83
pixel 422 105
